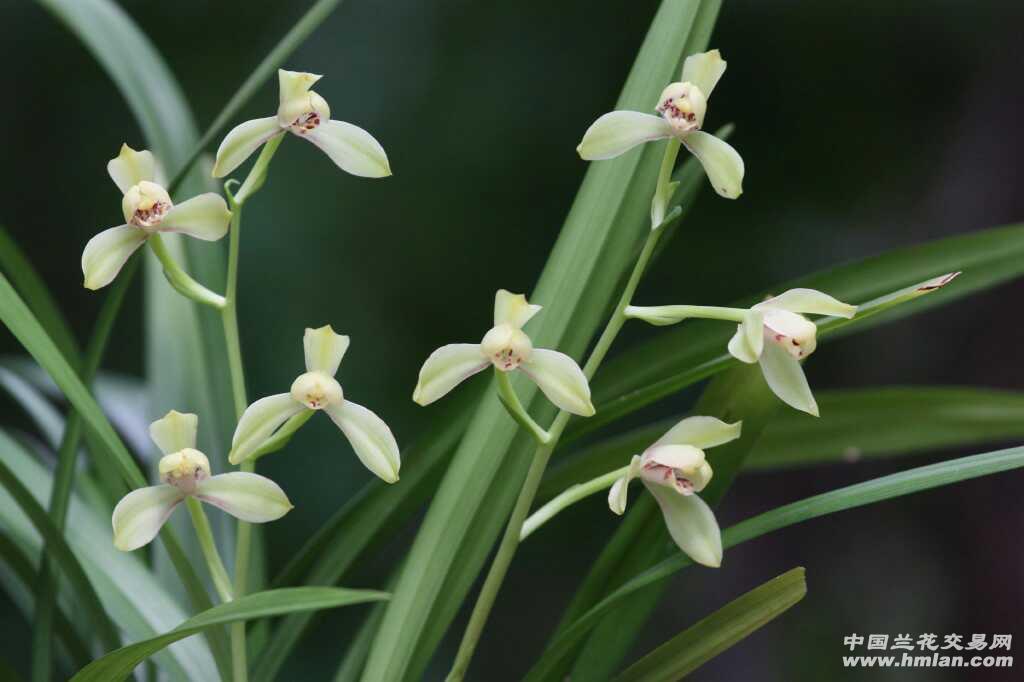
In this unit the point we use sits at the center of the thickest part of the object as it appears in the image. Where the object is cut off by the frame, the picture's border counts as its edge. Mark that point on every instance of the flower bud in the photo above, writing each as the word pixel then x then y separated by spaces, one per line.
pixel 145 204
pixel 506 347
pixel 683 105
pixel 184 469
pixel 316 390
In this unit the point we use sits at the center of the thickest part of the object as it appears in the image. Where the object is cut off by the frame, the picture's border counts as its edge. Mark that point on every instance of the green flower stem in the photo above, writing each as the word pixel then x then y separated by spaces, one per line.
pixel 221 581
pixel 665 187
pixel 681 312
pixel 569 497
pixel 515 408
pixel 258 174
pixel 510 540
pixel 229 318
pixel 181 280
pixel 283 434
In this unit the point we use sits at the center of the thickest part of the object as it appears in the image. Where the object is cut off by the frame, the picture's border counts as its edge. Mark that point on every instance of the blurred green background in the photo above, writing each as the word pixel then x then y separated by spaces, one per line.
pixel 864 125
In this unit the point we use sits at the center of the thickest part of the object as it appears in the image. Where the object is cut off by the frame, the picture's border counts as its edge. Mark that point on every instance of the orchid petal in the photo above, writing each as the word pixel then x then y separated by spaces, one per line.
pixel 617 495
pixel 561 380
pixel 258 423
pixel 204 217
pixel 370 437
pixel 353 149
pixel 704 70
pixel 786 378
pixel 809 301
pixel 701 432
pixel 140 515
pixel 294 84
pixel 446 368
pixel 174 432
pixel 683 457
pixel 324 348
pixel 748 341
pixel 722 163
pixel 245 495
pixel 513 309
pixel 618 131
pixel 107 252
pixel 692 525
pixel 242 141
pixel 132 167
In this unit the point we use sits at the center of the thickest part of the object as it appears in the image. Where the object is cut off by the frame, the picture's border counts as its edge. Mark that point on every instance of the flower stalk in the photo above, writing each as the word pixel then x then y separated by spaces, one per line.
pixel 221 581
pixel 181 280
pixel 569 497
pixel 515 408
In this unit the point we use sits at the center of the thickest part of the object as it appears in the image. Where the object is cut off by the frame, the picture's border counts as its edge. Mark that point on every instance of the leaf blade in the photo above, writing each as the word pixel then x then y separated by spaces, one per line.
pixel 696 645
pixel 119 664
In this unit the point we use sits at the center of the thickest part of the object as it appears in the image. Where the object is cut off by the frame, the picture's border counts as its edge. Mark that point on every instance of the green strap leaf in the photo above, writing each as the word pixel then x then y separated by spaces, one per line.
pixel 67 456
pixel 30 285
pixel 695 349
pixel 888 421
pixel 117 665
pixel 62 555
pixel 19 319
pixel 24 569
pixel 855 423
pixel 710 636
pixel 850 497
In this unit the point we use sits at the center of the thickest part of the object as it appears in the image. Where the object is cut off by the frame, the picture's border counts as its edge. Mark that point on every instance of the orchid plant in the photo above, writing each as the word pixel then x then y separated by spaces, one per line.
pixel 484 475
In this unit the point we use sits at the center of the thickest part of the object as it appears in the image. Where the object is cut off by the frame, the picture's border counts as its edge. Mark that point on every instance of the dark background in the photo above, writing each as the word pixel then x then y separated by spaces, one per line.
pixel 864 126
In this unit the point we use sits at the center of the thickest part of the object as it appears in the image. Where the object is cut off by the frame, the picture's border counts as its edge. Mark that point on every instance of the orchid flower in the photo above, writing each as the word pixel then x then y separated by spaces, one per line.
pixel 507 347
pixel 681 110
pixel 317 389
pixel 185 472
pixel 305 114
pixel 674 469
pixel 778 336
pixel 147 209
pixel 774 333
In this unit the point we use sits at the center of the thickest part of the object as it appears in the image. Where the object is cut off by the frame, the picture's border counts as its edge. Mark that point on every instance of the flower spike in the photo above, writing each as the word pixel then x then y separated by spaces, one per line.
pixel 147 208
pixel 674 469
pixel 185 472
pixel 680 114
pixel 306 114
pixel 507 348
pixel 315 390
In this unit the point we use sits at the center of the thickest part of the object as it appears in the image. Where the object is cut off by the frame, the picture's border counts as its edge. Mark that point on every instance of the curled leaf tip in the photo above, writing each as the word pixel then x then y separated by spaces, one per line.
pixel 939 282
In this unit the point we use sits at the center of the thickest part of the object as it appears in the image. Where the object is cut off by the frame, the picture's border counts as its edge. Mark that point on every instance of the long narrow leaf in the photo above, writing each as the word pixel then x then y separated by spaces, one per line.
pixel 62 555
pixel 130 592
pixel 850 497
pixel 117 665
pixel 709 637
pixel 32 288
pixel 855 424
pixel 67 457
pixel 899 420
pixel 24 568
pixel 19 319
